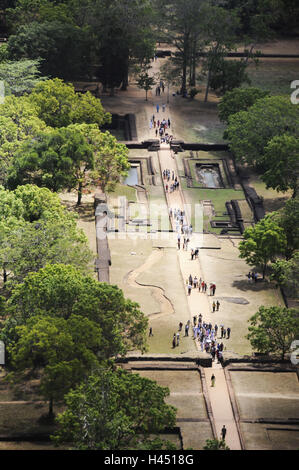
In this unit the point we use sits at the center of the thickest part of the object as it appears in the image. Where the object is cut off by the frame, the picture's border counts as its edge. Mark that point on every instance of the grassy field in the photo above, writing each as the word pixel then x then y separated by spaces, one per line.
pixel 274 75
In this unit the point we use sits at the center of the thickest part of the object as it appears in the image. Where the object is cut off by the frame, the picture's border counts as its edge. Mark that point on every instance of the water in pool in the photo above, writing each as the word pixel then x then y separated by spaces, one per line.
pixel 132 177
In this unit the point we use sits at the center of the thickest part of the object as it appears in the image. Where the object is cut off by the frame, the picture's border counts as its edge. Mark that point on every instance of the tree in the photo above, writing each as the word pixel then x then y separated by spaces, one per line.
pixel 36 229
pixel 114 410
pixel 219 29
pixel 183 22
pixel 215 444
pixel 281 162
pixel 40 204
pixel 64 48
pixel 11 210
pixel 288 219
pixel 228 74
pixel 125 35
pixel 273 329
pixel 62 351
pixel 262 243
pixel 60 291
pixel 249 132
pixel 111 158
pixel 18 123
pixel 58 105
pixel 144 80
pixel 20 76
pixel 57 160
pixel 238 99
pixel 286 274
pixel 31 246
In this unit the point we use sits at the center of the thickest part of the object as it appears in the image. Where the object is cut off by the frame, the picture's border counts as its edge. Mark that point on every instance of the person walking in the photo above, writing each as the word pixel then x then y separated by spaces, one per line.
pixel 223 432
pixel 174 340
pixel 178 339
pixel 157 108
pixel 214 306
pixel 213 380
pixel 180 326
pixel 151 332
pixel 189 289
pixel 163 107
pixel 217 305
pixel 228 333
pixel 187 329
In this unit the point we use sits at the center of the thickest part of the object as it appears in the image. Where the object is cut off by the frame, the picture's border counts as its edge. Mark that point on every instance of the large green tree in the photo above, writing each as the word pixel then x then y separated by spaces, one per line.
pixel 249 132
pixel 286 274
pixel 20 76
pixel 60 290
pixel 182 23
pixel 281 163
pixel 239 99
pixel 36 229
pixel 31 246
pixel 114 410
pixel 57 160
pixel 262 243
pixel 288 219
pixel 62 352
pixel 58 105
pixel 272 330
pixel 18 123
pixel 64 48
pixel 110 157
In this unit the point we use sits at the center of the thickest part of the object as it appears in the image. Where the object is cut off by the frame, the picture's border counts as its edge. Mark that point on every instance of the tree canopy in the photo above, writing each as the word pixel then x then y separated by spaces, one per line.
pixel 239 99
pixel 272 330
pixel 62 351
pixel 60 291
pixel 114 410
pixel 58 105
pixel 271 116
pixel 262 243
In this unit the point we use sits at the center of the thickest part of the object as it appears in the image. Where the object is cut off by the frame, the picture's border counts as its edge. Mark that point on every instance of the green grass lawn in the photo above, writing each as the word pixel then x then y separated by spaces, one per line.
pixel 274 75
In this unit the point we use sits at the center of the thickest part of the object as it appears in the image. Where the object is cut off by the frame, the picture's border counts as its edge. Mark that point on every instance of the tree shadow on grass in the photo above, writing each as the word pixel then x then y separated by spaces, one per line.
pixel 244 285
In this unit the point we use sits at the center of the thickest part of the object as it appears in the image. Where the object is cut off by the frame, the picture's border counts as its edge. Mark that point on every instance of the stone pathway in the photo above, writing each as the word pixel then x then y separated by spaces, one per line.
pixel 199 303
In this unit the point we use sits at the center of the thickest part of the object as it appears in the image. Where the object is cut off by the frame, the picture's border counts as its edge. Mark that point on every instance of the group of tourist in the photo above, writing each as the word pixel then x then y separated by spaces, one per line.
pixel 252 276
pixel 159 88
pixel 201 285
pixel 206 334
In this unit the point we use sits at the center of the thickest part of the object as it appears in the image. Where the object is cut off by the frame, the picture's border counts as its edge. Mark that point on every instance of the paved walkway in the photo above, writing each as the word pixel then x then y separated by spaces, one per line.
pixel 199 303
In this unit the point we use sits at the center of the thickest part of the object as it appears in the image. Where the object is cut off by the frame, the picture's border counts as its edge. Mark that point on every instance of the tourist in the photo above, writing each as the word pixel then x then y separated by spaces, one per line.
pixel 189 289
pixel 187 329
pixel 174 340
pixel 217 305
pixel 157 108
pixel 192 254
pixel 213 379
pixel 151 332
pixel 178 339
pixel 163 107
pixel 228 333
pixel 214 306
pixel 168 122
pixel 223 432
pixel 180 326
